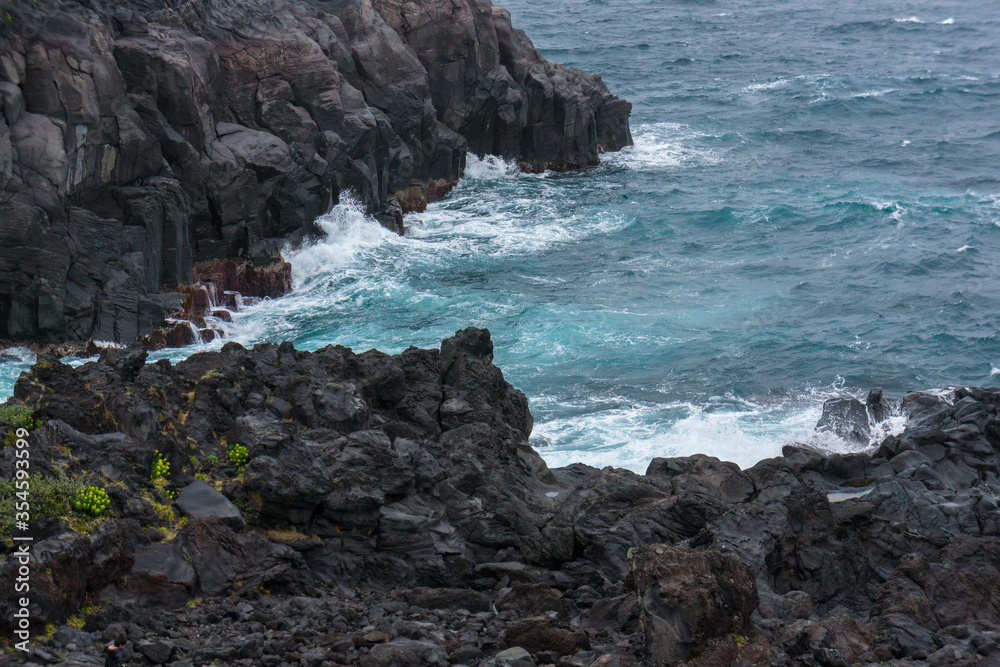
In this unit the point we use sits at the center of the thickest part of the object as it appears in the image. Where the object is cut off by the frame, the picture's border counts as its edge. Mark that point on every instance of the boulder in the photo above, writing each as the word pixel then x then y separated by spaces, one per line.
pixel 847 418
pixel 448 598
pixel 689 598
pixel 200 500
pixel 514 657
pixel 537 634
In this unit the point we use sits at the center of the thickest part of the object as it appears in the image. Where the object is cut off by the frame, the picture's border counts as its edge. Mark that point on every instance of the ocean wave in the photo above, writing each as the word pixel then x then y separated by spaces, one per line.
pixel 908 19
pixel 874 93
pixel 660 146
pixel 18 355
pixel 605 430
pixel 489 168
pixel 349 233
pixel 770 85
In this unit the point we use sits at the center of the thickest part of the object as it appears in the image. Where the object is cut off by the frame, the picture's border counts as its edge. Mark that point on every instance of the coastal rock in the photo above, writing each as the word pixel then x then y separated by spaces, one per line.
pixel 397 512
pixel 847 418
pixel 537 635
pixel 139 141
pixel 199 500
pixel 688 598
pixel 64 568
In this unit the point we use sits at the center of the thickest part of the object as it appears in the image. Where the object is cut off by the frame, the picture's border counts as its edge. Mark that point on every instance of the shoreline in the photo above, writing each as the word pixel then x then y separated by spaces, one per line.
pixel 412 473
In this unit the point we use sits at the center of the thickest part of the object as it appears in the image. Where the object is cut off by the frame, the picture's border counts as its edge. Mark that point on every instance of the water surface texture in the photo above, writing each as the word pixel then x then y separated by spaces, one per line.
pixel 812 208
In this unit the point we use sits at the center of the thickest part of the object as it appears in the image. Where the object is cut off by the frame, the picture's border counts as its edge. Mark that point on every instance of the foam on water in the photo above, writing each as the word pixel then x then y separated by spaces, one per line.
pixel 660 146
pixel 791 210
pixel 770 85
pixel 874 93
pixel 489 168
pixel 630 436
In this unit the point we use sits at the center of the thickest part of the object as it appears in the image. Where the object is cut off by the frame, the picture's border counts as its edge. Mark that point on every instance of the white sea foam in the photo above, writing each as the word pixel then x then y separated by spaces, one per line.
pixel 662 146
pixel 906 142
pixel 994 371
pixel 909 19
pixel 20 354
pixel 489 168
pixel 631 436
pixel 965 248
pixel 601 433
pixel 948 21
pixel 874 93
pixel 349 233
pixel 770 85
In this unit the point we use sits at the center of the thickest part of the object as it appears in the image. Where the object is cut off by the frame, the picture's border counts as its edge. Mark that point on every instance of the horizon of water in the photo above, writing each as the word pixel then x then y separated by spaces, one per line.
pixel 811 209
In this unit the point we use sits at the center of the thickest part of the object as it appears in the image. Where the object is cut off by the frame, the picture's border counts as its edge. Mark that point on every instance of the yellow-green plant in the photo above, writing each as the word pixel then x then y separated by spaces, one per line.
pixel 161 467
pixel 92 501
pixel 238 455
pixel 14 417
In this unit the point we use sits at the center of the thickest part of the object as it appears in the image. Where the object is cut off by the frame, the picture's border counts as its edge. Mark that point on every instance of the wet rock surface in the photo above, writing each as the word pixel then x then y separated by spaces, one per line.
pixel 397 516
pixel 140 138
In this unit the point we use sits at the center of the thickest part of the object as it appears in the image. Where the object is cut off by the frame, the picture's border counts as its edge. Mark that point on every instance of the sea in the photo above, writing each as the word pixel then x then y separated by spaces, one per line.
pixel 811 209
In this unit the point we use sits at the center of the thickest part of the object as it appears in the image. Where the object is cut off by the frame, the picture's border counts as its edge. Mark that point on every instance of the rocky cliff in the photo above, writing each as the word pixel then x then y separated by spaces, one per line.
pixel 140 137
pixel 391 512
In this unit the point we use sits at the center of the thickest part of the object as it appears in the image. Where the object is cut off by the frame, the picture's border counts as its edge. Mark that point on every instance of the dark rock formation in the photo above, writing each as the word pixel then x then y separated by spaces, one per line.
pixel 200 500
pixel 690 598
pixel 141 137
pixel 398 516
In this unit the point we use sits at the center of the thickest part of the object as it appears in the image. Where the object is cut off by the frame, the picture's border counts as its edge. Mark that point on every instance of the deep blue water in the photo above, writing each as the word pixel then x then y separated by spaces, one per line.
pixel 812 207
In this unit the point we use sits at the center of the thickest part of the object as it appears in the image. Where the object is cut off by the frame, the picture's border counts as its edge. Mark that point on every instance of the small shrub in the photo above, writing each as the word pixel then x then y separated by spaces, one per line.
pixel 92 501
pixel 17 416
pixel 161 467
pixel 213 460
pixel 249 512
pixel 239 455
pixel 50 496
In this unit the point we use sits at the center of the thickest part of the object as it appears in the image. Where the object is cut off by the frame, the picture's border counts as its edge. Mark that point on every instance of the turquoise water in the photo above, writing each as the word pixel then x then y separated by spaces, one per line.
pixel 812 208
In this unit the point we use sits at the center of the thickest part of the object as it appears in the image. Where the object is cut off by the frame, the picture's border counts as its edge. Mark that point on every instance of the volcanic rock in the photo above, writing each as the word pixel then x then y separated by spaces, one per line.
pixel 140 139
pixel 397 512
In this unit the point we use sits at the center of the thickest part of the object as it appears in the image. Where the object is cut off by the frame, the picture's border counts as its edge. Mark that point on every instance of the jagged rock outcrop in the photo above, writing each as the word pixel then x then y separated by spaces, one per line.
pixel 141 137
pixel 397 498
